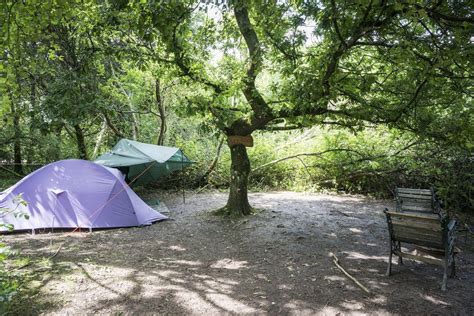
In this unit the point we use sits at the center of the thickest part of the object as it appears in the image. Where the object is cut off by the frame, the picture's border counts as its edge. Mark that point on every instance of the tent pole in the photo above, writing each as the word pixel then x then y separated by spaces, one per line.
pixel 182 179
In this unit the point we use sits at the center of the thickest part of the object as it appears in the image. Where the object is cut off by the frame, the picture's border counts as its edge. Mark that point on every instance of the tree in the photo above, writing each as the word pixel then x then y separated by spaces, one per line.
pixel 404 64
pixel 48 51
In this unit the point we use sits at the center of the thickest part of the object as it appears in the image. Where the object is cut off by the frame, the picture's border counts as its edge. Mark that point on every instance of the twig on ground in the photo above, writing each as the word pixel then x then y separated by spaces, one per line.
pixel 336 262
pixel 241 223
pixel 57 251
pixel 342 213
pixel 50 257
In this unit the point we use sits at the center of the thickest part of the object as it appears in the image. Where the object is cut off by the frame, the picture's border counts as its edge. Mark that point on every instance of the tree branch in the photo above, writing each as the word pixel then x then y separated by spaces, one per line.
pixel 259 106
pixel 305 154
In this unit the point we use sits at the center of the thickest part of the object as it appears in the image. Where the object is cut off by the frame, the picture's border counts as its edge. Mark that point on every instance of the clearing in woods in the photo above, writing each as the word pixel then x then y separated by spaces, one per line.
pixel 276 261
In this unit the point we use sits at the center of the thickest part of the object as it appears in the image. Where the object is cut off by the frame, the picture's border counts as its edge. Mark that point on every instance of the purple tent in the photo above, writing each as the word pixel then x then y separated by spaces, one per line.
pixel 75 193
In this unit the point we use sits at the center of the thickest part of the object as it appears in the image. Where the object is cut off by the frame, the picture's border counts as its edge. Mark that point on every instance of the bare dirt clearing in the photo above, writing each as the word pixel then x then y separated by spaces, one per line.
pixel 276 261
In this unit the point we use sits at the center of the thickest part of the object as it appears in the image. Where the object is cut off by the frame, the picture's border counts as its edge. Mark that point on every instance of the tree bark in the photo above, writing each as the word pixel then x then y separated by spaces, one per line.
pixel 161 110
pixel 130 104
pixel 100 138
pixel 81 143
pixel 112 126
pixel 17 159
pixel 238 203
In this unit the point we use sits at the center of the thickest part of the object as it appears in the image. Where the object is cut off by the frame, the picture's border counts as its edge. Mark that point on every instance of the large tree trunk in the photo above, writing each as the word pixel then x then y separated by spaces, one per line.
pixel 81 143
pixel 238 203
pixel 162 112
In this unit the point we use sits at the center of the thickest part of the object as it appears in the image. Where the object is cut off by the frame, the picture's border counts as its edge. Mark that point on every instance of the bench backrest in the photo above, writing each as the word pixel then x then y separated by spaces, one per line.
pixel 416 200
pixel 424 230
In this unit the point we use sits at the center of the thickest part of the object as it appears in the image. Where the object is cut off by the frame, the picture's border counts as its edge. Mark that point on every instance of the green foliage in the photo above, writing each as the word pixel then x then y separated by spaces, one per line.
pixel 9 282
pixel 392 80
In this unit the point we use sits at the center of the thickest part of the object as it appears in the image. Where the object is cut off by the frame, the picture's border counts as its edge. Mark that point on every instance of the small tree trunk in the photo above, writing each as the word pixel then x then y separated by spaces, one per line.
pixel 17 159
pixel 81 143
pixel 130 104
pixel 100 138
pixel 112 127
pixel 17 144
pixel 214 162
pixel 238 203
pixel 161 110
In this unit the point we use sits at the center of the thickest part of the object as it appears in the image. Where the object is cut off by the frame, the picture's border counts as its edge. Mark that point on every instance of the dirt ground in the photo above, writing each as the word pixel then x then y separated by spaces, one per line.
pixel 274 262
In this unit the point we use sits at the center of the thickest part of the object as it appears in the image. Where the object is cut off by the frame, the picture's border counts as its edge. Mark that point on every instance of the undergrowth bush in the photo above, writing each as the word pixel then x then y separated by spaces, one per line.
pixel 370 162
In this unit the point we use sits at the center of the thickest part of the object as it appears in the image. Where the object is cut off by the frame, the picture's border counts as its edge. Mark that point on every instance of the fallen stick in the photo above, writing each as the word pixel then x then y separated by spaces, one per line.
pixel 336 262
pixel 57 251
pixel 342 213
pixel 50 257
pixel 245 221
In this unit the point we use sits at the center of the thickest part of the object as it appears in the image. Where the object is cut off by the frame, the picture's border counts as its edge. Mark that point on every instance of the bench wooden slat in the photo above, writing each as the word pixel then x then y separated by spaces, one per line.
pixel 421 242
pixel 417 225
pixel 428 217
pixel 418 233
pixel 415 191
pixel 414 196
pixel 417 209
pixel 427 203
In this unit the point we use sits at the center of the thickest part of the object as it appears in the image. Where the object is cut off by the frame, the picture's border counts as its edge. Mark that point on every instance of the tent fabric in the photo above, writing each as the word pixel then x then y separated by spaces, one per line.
pixel 75 193
pixel 148 161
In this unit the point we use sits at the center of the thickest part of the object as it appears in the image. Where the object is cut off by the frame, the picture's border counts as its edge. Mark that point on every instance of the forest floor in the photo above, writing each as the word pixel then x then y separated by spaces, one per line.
pixel 274 262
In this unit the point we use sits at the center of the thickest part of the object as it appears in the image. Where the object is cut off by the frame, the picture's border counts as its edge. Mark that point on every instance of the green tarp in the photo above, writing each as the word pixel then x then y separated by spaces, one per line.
pixel 148 162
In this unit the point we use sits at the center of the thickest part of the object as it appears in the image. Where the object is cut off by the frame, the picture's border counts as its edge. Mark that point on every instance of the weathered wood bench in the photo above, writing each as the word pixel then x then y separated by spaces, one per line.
pixel 417 200
pixel 434 231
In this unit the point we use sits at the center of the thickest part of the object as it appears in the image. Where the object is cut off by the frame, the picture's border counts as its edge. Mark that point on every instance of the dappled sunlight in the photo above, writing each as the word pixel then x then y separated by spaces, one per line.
pixel 229 264
pixel 229 304
pixel 216 285
pixel 352 305
pixel 358 255
pixel 194 303
pixel 167 273
pixel 434 300
pixel 253 269
pixel 177 248
pixel 334 278
pixel 182 262
pixel 378 299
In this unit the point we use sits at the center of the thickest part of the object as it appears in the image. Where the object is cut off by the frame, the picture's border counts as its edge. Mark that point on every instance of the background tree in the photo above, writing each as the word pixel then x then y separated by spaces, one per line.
pixel 405 65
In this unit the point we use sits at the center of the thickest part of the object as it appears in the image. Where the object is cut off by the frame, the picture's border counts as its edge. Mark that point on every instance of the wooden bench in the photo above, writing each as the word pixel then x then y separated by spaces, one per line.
pixel 434 231
pixel 417 200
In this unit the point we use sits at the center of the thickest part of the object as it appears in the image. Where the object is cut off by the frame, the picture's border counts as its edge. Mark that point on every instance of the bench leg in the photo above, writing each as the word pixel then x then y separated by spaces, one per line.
pixel 400 260
pixel 452 270
pixel 445 279
pixel 445 274
pixel 389 267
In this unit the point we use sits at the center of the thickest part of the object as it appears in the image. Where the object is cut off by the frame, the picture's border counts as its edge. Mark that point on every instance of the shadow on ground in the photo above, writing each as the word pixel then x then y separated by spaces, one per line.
pixel 276 261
